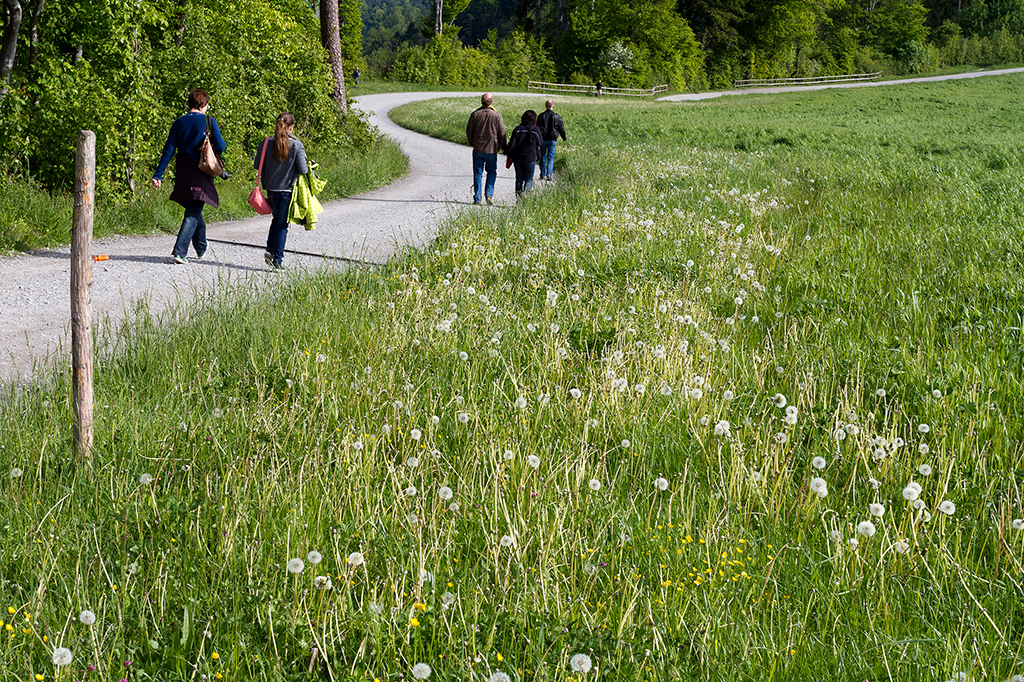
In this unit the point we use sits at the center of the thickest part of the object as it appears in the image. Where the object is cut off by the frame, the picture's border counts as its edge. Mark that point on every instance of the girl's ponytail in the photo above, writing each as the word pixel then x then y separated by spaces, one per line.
pixel 282 145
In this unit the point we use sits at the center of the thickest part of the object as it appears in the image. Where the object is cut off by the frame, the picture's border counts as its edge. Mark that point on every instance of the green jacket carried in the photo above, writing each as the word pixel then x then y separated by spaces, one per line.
pixel 305 207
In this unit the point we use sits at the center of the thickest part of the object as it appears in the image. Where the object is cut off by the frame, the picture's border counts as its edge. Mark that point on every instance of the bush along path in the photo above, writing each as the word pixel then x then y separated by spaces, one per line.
pixel 35 309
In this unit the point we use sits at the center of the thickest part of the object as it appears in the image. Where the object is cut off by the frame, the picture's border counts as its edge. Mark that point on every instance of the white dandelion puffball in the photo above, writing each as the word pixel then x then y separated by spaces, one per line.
pixel 640 389
pixel 575 393
pixel 876 509
pixel 866 528
pixel 755 476
pixel 661 483
pixel 840 434
pixel 923 448
pixel 1015 678
pixel 594 484
pixel 581 663
pixel 722 428
pixel 509 454
pixel 1017 524
pixel 728 395
pixel 947 508
pixel 421 671
pixel 924 470
pixel 295 566
pixel 145 479
pixel 625 443
pixel 415 434
pixel 61 656
pixel 412 462
pixel 902 547
pixel 853 543
pixel 463 356
pixel 879 453
pixel 435 420
pixel 463 417
pixel 322 582
pixel 521 402
pixel 499 677
pixel 791 418
pixel 16 472
pixel 533 460
pixel 923 428
pixel 356 559
pixel 874 483
pixel 880 393
pixel 357 445
pixel 918 505
pixel 505 541
pixel 779 400
pixel 836 536
pixel 819 486
pixel 819 463
pixel 321 358
pixel 314 557
pixel 938 394
pixel 412 519
pixel 912 491
pixel 411 491
pixel 445 493
pixel 447 599
pixel 87 617
pixel 696 394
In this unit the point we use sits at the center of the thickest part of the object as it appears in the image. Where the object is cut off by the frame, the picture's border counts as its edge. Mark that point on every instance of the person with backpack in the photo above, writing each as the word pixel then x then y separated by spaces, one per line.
pixel 523 150
pixel 551 127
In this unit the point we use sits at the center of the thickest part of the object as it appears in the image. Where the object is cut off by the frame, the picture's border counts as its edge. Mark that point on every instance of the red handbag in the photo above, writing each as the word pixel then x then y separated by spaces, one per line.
pixel 259 202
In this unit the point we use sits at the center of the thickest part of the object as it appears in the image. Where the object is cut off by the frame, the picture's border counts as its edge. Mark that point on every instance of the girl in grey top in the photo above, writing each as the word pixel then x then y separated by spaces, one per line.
pixel 282 162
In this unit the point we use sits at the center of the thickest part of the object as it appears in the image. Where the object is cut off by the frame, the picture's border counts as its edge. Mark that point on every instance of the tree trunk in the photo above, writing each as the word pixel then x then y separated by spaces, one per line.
pixel 331 40
pixel 438 16
pixel 9 42
pixel 536 19
pixel 561 22
pixel 179 34
pixel 33 33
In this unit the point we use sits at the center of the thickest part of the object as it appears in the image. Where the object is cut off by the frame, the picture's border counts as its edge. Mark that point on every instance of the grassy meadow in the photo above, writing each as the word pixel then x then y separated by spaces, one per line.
pixel 739 399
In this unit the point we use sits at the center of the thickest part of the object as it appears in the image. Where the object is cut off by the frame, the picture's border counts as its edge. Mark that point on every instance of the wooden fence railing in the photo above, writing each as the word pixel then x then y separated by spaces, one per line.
pixel 850 78
pixel 568 88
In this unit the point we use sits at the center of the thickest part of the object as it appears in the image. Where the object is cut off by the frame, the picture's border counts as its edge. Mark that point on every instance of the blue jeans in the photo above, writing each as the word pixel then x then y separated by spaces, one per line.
pixel 524 176
pixel 279 203
pixel 482 162
pixel 547 158
pixel 193 229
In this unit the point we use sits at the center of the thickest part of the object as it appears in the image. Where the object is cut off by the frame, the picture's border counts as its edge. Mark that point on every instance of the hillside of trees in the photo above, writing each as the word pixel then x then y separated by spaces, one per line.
pixel 690 44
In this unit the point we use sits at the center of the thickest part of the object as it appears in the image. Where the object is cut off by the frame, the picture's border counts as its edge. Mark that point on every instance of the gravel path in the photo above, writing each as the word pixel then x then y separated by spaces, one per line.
pixel 35 303
pixel 35 308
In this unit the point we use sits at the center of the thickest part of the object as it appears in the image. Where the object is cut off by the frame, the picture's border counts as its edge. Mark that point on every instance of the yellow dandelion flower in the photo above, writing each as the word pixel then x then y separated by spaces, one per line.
pixel 215 655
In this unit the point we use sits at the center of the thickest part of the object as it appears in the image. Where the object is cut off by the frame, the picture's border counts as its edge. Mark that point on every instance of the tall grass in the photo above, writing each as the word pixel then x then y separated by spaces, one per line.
pixel 666 416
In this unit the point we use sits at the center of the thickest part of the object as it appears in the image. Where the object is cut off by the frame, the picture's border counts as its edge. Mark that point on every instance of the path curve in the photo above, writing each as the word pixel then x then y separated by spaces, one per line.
pixel 694 96
pixel 35 307
pixel 35 301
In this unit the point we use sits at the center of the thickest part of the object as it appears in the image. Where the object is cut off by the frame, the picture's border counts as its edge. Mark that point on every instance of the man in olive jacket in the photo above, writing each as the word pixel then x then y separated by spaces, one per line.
pixel 486 134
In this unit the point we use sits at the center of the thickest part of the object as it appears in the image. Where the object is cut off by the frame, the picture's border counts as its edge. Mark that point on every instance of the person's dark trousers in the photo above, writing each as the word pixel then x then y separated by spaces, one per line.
pixel 524 176
pixel 547 158
pixel 193 229
pixel 279 202
pixel 484 163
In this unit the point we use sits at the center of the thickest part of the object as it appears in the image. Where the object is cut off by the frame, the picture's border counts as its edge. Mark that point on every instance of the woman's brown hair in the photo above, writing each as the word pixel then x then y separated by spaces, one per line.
pixel 282 145
pixel 197 99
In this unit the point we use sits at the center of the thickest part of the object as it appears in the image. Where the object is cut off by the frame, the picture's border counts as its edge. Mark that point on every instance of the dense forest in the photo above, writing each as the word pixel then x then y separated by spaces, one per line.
pixel 124 69
pixel 692 44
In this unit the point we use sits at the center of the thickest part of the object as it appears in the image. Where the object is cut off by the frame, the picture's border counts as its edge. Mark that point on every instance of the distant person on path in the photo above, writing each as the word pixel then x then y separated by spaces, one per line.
pixel 193 188
pixel 551 127
pixel 524 150
pixel 486 134
pixel 284 158
pixel 597 89
pixel 356 74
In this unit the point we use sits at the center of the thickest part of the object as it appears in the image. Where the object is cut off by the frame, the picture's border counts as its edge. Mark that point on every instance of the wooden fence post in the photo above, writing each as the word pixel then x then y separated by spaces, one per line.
pixel 81 299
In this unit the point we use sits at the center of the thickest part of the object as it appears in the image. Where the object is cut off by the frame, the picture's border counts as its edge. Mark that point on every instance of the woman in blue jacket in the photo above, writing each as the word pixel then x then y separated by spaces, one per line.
pixel 283 161
pixel 193 188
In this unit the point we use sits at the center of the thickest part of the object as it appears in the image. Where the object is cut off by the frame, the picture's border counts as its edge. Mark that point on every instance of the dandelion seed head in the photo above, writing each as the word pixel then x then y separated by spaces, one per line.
pixel 356 559
pixel 357 445
pixel 499 677
pixel 819 486
pixel 911 492
pixel 901 547
pixel 445 493
pixel 625 444
pixel 581 663
pixel 661 483
pixel 781 438
pixel 314 557
pixel 936 393
pixel 412 462
pixel 866 528
pixel 509 454
pixel 876 509
pixel 880 393
pixel 696 394
pixel 819 463
pixel 411 491
pixel 415 434
pixel 853 543
pixel 61 656
pixel 779 400
pixel 923 428
pixel 521 402
pixel 594 484
pixel 923 448
pixel 322 582
pixel 533 461
pixel 145 479
pixel 575 393
pixel 87 617
pixel 918 504
pixel 16 472
pixel 506 541
pixel 295 566
pixel 463 417
pixel 840 434
pixel 722 428
pixel 463 355
pixel 421 671
pixel 947 507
